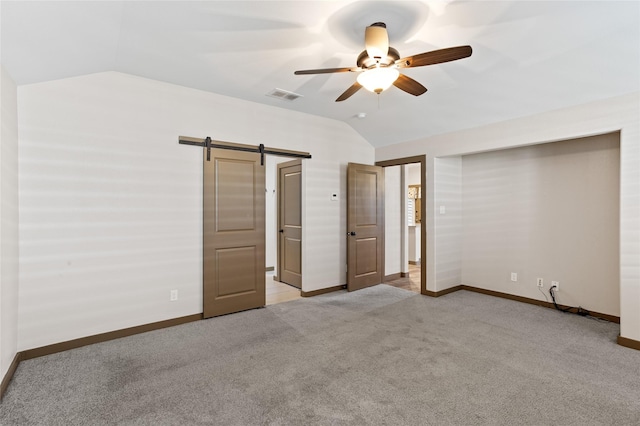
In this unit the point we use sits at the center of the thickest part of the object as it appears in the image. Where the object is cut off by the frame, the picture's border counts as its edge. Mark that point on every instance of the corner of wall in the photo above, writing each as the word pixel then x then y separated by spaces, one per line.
pixel 447 222
pixel 8 222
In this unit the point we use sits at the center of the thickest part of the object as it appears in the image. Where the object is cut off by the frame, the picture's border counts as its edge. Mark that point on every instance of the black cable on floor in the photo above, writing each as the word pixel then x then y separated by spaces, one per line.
pixel 578 311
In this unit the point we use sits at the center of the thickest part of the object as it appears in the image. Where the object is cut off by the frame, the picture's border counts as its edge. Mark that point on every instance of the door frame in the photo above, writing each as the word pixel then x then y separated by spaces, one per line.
pixel 422 159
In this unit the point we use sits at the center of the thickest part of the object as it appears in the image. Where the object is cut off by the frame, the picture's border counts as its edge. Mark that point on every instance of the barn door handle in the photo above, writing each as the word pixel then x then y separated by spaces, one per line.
pixel 353 234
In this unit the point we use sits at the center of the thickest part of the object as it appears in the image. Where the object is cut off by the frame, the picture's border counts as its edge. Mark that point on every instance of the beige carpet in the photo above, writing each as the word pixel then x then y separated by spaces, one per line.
pixel 380 356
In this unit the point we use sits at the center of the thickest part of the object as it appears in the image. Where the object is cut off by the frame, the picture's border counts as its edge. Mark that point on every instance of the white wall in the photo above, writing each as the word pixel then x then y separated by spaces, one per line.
pixel 414 232
pixel 619 113
pixel 111 204
pixel 393 199
pixel 548 211
pixel 413 174
pixel 8 222
pixel 404 213
pixel 448 233
pixel 271 210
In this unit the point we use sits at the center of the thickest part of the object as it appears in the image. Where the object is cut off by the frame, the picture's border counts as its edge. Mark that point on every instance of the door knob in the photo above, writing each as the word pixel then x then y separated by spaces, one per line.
pixel 281 231
pixel 353 234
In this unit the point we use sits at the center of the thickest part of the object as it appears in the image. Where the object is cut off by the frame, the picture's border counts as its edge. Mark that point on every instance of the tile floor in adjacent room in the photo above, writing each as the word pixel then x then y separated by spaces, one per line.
pixel 277 292
pixel 411 283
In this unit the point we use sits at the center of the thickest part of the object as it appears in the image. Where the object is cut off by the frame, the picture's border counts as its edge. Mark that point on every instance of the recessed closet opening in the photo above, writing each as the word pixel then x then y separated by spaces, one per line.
pixel 550 212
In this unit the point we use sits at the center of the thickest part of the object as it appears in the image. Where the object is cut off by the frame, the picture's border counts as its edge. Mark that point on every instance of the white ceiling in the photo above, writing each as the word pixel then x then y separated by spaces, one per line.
pixel 528 56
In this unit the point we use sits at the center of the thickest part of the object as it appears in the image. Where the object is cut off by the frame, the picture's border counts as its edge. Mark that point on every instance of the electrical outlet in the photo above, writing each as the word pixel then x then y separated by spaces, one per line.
pixel 174 296
pixel 514 277
pixel 555 284
pixel 540 282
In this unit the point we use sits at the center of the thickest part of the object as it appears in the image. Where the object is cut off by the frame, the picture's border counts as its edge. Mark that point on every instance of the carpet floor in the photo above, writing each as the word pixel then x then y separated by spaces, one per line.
pixel 380 356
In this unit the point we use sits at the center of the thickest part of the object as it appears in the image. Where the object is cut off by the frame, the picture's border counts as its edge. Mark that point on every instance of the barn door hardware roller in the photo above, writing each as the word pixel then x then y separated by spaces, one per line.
pixel 208 143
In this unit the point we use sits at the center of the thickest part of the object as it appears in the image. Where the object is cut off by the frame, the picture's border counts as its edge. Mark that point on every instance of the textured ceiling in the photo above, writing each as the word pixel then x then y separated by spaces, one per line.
pixel 528 56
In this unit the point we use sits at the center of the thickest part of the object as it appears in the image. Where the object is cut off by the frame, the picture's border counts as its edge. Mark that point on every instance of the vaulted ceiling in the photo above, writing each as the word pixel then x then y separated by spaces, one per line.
pixel 528 56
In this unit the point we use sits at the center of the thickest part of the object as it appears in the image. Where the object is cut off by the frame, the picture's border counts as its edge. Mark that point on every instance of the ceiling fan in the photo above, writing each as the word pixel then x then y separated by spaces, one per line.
pixel 378 64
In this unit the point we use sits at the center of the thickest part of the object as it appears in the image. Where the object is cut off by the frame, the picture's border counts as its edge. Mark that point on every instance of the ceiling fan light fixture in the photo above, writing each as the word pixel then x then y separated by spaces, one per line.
pixel 377 66
pixel 378 79
pixel 376 41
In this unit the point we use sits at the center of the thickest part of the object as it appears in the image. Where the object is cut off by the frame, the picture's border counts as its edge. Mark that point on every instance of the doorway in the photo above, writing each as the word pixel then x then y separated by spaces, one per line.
pixel 277 291
pixel 234 223
pixel 290 223
pixel 420 268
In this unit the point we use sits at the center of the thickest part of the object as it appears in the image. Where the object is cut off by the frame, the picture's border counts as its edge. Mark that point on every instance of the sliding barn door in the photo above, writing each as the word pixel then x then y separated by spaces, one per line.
pixel 233 234
pixel 365 225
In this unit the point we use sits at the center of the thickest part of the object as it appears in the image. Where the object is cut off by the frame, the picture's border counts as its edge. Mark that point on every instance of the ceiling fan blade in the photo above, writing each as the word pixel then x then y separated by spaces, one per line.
pixel 350 91
pixel 409 85
pixel 435 57
pixel 326 71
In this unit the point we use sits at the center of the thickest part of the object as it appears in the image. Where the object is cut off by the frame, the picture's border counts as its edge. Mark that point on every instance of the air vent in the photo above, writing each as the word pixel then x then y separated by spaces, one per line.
pixel 284 95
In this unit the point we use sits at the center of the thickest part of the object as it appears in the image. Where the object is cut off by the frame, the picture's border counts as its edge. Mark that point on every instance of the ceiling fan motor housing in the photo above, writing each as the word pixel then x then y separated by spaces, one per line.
pixel 366 62
pixel 376 40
